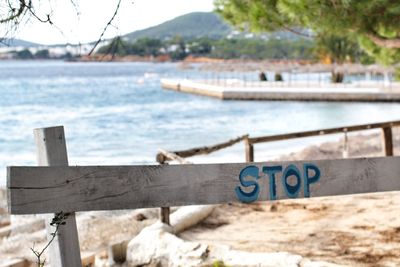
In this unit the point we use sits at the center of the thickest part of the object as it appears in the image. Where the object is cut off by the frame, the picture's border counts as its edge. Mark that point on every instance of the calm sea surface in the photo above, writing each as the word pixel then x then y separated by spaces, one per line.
pixel 117 113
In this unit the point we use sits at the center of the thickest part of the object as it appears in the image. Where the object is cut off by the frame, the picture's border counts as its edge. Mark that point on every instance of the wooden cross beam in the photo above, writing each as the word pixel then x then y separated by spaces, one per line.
pixel 84 188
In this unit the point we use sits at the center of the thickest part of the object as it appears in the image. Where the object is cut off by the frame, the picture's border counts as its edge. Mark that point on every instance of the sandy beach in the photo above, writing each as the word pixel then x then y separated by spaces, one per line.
pixel 356 230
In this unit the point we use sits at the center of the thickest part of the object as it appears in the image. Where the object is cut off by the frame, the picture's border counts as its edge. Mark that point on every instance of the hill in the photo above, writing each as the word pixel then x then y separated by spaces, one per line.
pixel 203 24
pixel 192 25
pixel 17 42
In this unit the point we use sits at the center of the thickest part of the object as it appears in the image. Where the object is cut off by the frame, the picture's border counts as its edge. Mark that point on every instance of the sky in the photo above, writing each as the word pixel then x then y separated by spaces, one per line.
pixel 71 27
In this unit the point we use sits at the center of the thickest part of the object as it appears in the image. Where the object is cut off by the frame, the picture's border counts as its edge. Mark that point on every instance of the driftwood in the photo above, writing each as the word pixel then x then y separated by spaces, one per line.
pixel 161 157
pixel 166 155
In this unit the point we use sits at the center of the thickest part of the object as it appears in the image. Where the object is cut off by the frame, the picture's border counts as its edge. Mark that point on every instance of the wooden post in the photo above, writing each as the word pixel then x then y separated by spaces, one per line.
pixel 164 215
pixel 164 211
pixel 117 253
pixel 249 149
pixel 51 151
pixel 387 141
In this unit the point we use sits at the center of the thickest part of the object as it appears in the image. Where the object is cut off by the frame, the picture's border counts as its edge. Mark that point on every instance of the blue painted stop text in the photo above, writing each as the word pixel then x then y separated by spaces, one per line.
pixel 249 189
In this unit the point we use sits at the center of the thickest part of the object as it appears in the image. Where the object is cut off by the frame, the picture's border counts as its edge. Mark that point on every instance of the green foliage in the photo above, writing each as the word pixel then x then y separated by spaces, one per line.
pixel 383 55
pixel 23 54
pixel 339 49
pixel 278 77
pixel 42 54
pixel 219 264
pixel 116 46
pixel 146 46
pixel 67 56
pixel 142 47
pixel 262 49
pixel 200 47
pixel 397 74
pixel 177 48
pixel 374 22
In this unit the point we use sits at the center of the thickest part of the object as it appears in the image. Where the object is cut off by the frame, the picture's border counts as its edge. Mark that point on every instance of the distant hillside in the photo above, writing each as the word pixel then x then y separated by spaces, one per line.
pixel 17 42
pixel 202 24
pixel 192 25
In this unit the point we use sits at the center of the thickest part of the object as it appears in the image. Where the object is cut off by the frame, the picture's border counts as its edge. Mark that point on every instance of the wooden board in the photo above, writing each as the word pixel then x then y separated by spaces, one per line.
pixel 51 150
pixel 53 189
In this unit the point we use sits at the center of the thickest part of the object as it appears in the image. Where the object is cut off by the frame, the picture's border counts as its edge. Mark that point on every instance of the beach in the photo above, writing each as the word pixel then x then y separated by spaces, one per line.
pixel 141 118
pixel 356 230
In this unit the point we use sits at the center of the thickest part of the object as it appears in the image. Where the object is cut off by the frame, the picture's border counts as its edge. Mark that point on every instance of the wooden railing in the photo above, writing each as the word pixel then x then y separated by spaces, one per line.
pixel 385 126
pixel 163 156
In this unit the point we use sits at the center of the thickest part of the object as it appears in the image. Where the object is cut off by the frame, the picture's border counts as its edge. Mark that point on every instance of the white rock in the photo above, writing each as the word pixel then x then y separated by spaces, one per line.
pixel 189 216
pixel 155 245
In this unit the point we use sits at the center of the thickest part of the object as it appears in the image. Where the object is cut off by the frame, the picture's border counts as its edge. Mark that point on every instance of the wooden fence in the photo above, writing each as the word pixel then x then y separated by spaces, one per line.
pixel 164 156
pixel 55 187
pixel 386 127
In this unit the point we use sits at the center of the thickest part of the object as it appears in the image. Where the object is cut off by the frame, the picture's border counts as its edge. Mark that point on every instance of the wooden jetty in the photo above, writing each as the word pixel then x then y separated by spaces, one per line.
pixel 293 91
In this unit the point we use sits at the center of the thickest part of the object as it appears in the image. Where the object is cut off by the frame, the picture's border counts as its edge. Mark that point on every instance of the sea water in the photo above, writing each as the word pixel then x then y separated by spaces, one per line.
pixel 117 113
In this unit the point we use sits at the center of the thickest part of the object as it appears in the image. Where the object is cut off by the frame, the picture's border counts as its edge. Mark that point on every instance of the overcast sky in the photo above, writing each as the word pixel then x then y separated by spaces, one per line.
pixel 94 15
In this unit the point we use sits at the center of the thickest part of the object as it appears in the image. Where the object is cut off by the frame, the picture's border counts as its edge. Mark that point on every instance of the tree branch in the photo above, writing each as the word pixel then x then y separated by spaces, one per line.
pixel 105 28
pixel 383 41
pixel 297 32
pixel 22 6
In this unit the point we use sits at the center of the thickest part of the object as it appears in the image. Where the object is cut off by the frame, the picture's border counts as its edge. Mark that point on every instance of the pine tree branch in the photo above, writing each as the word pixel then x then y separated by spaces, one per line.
pixel 383 41
pixel 298 32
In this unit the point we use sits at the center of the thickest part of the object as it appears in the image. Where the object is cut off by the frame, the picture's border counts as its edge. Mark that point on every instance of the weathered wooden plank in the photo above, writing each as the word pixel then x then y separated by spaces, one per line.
pixel 278 137
pixel 52 189
pixel 52 151
pixel 387 141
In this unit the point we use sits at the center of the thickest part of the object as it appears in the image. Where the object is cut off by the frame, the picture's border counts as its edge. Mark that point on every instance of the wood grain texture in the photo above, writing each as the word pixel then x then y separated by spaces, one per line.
pixel 387 141
pixel 52 151
pixel 52 189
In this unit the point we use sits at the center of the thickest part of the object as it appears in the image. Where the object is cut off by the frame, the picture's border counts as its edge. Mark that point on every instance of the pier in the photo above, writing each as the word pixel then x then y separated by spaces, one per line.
pixel 291 91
